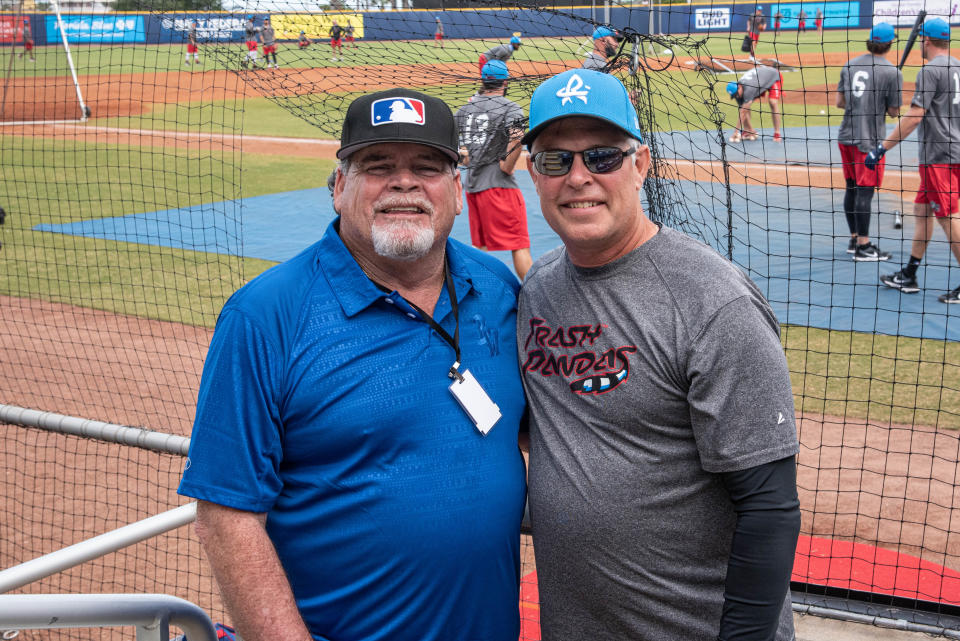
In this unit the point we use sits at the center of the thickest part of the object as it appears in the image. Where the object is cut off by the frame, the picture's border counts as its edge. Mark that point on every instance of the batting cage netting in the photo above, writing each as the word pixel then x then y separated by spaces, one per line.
pixel 154 160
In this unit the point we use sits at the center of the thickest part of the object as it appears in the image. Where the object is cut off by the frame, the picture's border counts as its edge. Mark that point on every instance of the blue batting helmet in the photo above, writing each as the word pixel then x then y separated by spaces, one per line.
pixel 495 70
pixel 882 33
pixel 936 28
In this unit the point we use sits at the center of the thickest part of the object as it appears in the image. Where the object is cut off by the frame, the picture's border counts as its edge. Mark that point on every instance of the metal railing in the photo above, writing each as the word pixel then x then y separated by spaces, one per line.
pixel 151 614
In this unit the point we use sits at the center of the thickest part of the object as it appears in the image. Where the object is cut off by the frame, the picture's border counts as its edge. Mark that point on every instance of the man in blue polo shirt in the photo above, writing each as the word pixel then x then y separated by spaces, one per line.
pixel 355 445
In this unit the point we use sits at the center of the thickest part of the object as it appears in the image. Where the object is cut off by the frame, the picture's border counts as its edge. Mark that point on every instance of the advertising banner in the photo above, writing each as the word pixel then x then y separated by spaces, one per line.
pixel 903 13
pixel 315 26
pixel 98 28
pixel 209 28
pixel 12 30
pixel 836 15
pixel 712 18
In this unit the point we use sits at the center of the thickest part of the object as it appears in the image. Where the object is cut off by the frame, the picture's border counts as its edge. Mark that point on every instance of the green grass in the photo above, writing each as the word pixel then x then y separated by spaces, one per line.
pixel 63 181
pixel 878 378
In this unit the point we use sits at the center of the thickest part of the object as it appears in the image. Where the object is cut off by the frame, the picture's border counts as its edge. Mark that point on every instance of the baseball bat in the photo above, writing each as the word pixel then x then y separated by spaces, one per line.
pixel 913 37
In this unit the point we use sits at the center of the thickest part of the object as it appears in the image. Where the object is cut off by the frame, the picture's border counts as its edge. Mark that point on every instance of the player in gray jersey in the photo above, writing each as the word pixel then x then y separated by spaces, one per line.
pixel 662 479
pixel 935 109
pixel 604 46
pixel 500 52
pixel 755 83
pixel 250 31
pixel 269 40
pixel 192 48
pixel 870 89
pixel 490 129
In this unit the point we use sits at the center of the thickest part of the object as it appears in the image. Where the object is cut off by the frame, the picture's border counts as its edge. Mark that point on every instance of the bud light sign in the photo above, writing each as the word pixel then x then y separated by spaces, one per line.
pixel 714 18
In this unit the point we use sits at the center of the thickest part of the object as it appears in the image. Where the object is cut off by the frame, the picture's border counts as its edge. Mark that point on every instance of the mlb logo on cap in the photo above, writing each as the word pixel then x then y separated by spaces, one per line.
pixel 399 116
pixel 397 109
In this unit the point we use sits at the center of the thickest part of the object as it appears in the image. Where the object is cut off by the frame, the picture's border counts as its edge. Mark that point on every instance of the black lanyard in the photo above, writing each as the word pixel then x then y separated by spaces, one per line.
pixel 453 341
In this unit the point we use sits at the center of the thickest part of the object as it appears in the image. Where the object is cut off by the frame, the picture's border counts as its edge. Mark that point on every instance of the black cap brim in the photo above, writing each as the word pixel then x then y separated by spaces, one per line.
pixel 345 152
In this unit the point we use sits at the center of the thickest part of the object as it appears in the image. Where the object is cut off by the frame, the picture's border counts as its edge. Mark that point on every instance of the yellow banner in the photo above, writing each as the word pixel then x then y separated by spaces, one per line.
pixel 316 26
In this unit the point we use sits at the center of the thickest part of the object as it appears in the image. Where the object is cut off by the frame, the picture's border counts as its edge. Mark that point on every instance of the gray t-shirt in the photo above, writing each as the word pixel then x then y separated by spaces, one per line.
pixel 870 85
pixel 646 378
pixel 595 61
pixel 500 52
pixel 756 81
pixel 938 92
pixel 267 36
pixel 486 124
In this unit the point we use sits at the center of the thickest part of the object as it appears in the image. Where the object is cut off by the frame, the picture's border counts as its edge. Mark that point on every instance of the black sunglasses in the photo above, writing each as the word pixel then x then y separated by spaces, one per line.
pixel 599 160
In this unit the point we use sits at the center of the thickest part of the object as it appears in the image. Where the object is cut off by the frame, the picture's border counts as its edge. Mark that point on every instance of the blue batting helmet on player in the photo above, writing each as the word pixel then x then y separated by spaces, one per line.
pixel 732 87
pixel 936 28
pixel 882 33
pixel 495 70
pixel 586 93
pixel 603 32
pixel 515 40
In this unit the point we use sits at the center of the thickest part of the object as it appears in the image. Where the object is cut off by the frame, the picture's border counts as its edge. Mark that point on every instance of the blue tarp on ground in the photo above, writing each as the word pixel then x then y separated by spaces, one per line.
pixel 787 239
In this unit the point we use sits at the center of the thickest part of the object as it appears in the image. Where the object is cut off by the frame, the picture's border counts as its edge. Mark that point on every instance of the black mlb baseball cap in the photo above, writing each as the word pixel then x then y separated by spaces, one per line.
pixel 399 115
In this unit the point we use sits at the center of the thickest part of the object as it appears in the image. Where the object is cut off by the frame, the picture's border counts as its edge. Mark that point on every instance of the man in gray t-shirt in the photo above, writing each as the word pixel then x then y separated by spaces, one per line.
pixel 490 129
pixel 870 89
pixel 759 81
pixel 935 109
pixel 662 426
pixel 269 39
pixel 499 52
pixel 192 44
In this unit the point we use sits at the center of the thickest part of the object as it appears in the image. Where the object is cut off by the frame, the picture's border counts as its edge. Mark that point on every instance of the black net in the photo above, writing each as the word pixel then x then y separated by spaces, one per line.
pixel 204 161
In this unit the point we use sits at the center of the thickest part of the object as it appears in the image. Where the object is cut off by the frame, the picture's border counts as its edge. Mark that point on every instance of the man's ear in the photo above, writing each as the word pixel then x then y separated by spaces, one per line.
pixel 642 164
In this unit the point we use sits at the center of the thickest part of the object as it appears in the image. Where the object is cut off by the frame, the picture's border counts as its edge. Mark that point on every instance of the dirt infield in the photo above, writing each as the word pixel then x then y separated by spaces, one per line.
pixel 55 97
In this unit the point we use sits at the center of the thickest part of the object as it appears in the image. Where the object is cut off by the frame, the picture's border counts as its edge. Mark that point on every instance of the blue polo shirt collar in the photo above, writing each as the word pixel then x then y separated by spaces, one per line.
pixel 355 291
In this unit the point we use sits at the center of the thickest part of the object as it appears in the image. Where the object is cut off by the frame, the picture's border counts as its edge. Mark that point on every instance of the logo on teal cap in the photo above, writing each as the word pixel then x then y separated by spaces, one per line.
pixel 585 93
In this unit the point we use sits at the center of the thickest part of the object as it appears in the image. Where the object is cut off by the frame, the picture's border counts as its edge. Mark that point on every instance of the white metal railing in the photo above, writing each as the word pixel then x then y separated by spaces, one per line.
pixel 65 558
pixel 151 614
pixel 110 432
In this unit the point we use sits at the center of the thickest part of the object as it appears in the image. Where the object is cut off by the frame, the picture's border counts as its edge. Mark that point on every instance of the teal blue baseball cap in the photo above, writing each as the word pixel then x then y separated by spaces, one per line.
pixel 936 28
pixel 586 93
pixel 882 33
pixel 603 32
pixel 495 70
pixel 515 40
pixel 732 87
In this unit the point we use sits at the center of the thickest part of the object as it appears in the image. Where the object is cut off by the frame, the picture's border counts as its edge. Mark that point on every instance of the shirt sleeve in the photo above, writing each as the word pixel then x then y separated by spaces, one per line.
pixel 740 397
pixel 842 85
pixel 895 98
pixel 926 88
pixel 236 447
pixel 762 552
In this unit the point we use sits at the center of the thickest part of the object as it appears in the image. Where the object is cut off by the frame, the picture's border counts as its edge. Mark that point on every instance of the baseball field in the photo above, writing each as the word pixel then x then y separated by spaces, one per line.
pixel 125 234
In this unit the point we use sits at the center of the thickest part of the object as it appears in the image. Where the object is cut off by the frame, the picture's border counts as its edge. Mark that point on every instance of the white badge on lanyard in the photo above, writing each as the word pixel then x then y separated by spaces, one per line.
pixel 474 400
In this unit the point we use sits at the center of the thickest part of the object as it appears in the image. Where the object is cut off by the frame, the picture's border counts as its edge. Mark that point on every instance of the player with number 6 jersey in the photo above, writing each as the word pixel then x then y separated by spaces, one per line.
pixel 935 109
pixel 870 89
